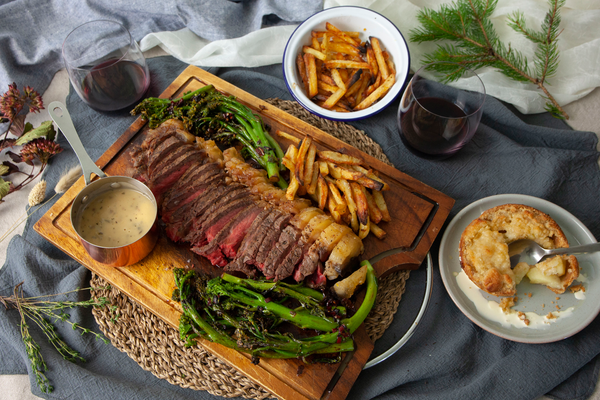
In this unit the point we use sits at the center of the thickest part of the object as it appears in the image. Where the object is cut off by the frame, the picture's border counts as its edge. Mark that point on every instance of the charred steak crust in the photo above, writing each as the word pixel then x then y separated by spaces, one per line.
pixel 238 265
pixel 270 239
pixel 286 241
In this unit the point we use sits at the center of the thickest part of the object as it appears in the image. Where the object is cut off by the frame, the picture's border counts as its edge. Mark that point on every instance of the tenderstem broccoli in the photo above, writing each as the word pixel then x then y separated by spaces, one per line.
pixel 248 315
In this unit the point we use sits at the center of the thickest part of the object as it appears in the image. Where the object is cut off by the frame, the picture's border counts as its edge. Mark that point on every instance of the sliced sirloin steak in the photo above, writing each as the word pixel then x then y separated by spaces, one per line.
pixel 251 250
pixel 309 262
pixel 210 204
pixel 210 226
pixel 252 232
pixel 162 150
pixel 286 241
pixel 232 242
pixel 209 191
pixel 293 257
pixel 194 178
pixel 163 179
pixel 270 239
pixel 182 221
pixel 168 160
pixel 181 207
pixel 214 249
pixel 238 265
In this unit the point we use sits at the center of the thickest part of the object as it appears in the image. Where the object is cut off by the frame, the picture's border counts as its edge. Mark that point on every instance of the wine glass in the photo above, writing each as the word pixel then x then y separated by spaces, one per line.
pixel 436 120
pixel 105 65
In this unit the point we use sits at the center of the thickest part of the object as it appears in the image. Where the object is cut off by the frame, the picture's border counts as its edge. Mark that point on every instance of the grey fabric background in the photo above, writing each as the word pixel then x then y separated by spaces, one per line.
pixel 32 31
pixel 447 358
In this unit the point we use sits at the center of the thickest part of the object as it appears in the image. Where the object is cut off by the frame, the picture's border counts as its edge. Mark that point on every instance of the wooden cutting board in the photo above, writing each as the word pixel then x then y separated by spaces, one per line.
pixel 418 213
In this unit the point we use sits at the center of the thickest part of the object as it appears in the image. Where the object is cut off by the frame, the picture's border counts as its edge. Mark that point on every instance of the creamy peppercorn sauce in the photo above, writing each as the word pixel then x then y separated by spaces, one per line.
pixel 116 218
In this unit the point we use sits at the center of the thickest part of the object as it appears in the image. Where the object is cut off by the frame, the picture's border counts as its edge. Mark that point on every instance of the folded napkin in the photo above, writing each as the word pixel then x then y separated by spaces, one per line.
pixel 32 31
pixel 447 358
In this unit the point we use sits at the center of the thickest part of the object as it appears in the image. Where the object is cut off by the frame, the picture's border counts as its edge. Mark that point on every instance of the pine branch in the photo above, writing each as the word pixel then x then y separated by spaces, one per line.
pixel 467 24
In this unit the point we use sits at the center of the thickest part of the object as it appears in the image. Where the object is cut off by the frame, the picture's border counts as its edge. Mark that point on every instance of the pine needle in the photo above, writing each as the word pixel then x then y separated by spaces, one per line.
pixel 475 44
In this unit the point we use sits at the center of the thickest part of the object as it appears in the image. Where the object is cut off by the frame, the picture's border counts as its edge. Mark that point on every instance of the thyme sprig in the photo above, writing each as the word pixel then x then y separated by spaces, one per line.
pixel 467 24
pixel 43 313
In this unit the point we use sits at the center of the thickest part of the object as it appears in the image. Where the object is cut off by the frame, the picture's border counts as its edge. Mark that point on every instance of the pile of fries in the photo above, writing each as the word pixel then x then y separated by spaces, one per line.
pixel 338 183
pixel 341 73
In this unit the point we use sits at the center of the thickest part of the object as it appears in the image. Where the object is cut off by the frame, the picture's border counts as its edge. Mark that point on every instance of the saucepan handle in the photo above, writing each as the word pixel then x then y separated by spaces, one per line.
pixel 60 115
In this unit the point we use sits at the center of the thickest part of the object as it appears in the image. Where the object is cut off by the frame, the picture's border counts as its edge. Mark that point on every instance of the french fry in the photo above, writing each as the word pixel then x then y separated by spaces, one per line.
pixel 377 231
pixel 323 168
pixel 377 93
pixel 362 209
pixel 371 175
pixel 315 44
pixel 360 198
pixel 320 34
pixel 339 171
pixel 309 164
pixel 327 87
pixel 380 202
pixel 287 136
pixel 334 98
pixel 338 158
pixel 335 194
pixel 335 74
pixel 379 57
pixel 316 53
pixel 289 161
pixel 322 192
pixel 374 211
pixel 347 38
pixel 370 183
pixel 311 189
pixel 344 186
pixel 300 160
pixel 311 74
pixel 372 60
pixel 346 64
pixel 302 71
pixel 345 48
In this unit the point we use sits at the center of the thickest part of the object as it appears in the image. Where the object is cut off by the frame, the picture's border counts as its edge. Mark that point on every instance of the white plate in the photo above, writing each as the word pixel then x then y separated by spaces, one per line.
pixel 542 300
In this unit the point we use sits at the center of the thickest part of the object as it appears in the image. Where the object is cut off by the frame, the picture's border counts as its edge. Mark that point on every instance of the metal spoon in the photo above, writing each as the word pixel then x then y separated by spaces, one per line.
pixel 526 250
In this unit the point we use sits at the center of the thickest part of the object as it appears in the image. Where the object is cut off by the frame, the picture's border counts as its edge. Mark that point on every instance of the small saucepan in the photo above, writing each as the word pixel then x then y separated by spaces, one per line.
pixel 115 217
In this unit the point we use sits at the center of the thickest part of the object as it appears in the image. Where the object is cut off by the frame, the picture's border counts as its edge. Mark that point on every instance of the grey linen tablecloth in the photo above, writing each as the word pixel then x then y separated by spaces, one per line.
pixel 447 358
pixel 32 31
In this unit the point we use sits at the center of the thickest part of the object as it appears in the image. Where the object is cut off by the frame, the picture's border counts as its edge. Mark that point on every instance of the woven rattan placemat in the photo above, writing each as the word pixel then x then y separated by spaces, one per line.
pixel 156 346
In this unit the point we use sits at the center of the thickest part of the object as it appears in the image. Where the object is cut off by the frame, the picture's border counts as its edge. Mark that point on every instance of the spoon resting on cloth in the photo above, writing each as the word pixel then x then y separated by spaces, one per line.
pixel 528 251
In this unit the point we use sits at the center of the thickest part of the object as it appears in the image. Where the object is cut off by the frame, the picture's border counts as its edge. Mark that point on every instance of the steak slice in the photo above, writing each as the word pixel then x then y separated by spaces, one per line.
pixel 209 205
pixel 270 239
pixel 162 132
pixel 254 242
pixel 215 222
pixel 167 161
pixel 195 177
pixel 182 222
pixel 293 257
pixel 252 232
pixel 162 150
pixel 286 241
pixel 317 279
pixel 309 263
pixel 167 176
pixel 181 207
pixel 214 249
pixel 238 265
pixel 230 244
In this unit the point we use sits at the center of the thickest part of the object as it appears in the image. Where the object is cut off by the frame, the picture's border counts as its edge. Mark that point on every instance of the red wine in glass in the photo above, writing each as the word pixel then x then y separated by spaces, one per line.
pixel 434 127
pixel 114 84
